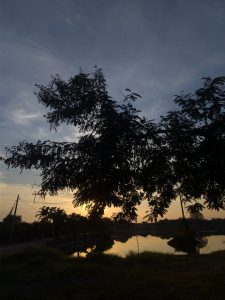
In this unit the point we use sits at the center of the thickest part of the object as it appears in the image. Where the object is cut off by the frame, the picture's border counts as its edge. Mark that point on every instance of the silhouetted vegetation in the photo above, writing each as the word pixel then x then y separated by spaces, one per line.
pixel 9 219
pixel 47 274
pixel 25 231
pixel 54 223
pixel 188 243
pixel 121 157
pixel 54 215
pixel 101 166
pixel 80 234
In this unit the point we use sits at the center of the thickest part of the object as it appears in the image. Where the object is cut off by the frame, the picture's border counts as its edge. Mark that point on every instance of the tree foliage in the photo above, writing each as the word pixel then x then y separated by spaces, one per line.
pixel 102 166
pixel 51 214
pixel 9 219
pixel 195 142
pixel 54 215
pixel 121 157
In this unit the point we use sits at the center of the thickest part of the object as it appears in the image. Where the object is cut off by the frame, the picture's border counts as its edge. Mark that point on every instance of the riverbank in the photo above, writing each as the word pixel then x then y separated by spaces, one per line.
pixel 170 228
pixel 47 274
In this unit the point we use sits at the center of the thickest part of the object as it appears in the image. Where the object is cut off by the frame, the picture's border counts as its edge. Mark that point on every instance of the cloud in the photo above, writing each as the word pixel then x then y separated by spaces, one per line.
pixel 156 48
pixel 21 117
pixel 42 133
pixel 2 176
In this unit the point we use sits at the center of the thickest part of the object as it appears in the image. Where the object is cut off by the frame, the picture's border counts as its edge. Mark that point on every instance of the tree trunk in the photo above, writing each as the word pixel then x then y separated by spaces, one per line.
pixel 183 216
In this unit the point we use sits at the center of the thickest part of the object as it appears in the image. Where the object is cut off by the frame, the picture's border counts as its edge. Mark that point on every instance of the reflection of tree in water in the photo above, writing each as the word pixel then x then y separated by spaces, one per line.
pixel 188 244
pixel 95 243
pixel 102 246
pixel 123 238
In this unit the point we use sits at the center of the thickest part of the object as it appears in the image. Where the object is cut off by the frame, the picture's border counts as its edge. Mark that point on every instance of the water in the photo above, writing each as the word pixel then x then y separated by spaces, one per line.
pixel 157 244
pixel 139 244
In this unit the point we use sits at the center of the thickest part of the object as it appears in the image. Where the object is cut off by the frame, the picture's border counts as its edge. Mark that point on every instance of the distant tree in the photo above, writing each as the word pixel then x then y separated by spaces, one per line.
pixel 54 215
pixel 195 211
pixel 9 219
pixel 196 216
pixel 76 224
pixel 76 218
pixel 10 225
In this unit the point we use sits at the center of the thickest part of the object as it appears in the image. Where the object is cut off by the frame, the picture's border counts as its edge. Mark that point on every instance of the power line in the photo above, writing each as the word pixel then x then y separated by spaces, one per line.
pixel 48 203
pixel 24 202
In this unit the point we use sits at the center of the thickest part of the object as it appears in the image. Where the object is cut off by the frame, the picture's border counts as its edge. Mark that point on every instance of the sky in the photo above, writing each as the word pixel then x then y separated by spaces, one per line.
pixel 157 48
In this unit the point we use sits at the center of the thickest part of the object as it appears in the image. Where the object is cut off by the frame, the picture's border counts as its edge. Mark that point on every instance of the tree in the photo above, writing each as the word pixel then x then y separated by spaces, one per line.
pixel 9 219
pixel 193 150
pixel 196 216
pixel 54 215
pixel 122 158
pixel 76 224
pixel 195 135
pixel 103 166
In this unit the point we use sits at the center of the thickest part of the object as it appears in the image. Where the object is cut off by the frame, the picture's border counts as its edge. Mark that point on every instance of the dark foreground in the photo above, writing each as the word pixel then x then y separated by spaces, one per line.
pixel 47 274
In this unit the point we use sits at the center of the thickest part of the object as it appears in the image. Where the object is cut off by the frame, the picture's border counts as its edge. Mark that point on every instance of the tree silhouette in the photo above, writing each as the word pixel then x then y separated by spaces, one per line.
pixel 196 143
pixel 102 167
pixel 122 158
pixel 193 153
pixel 54 215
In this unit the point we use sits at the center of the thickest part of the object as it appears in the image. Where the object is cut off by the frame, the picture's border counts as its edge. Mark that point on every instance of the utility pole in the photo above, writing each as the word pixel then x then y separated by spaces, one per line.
pixel 14 219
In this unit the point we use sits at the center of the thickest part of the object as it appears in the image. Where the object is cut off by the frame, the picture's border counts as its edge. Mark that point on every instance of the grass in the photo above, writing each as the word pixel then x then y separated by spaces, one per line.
pixel 47 274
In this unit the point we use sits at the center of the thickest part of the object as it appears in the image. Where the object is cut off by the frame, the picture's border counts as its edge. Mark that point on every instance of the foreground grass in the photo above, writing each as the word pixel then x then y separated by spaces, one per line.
pixel 47 274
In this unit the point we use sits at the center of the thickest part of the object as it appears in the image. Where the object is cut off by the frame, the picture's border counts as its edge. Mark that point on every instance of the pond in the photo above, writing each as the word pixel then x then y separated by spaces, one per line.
pixel 157 244
pixel 152 243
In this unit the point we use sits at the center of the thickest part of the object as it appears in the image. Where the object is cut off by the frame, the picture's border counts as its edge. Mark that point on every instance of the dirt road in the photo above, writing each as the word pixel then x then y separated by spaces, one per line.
pixel 11 248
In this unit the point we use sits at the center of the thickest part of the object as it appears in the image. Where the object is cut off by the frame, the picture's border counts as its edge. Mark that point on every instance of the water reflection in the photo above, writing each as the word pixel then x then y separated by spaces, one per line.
pixel 156 244
pixel 122 245
pixel 148 243
pixel 92 244
pixel 188 244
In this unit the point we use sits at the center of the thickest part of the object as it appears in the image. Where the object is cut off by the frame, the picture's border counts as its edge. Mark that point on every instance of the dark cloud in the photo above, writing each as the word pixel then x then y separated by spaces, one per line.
pixel 157 48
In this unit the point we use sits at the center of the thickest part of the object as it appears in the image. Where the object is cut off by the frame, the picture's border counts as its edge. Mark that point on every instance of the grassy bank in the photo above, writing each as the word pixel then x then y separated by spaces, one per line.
pixel 47 274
